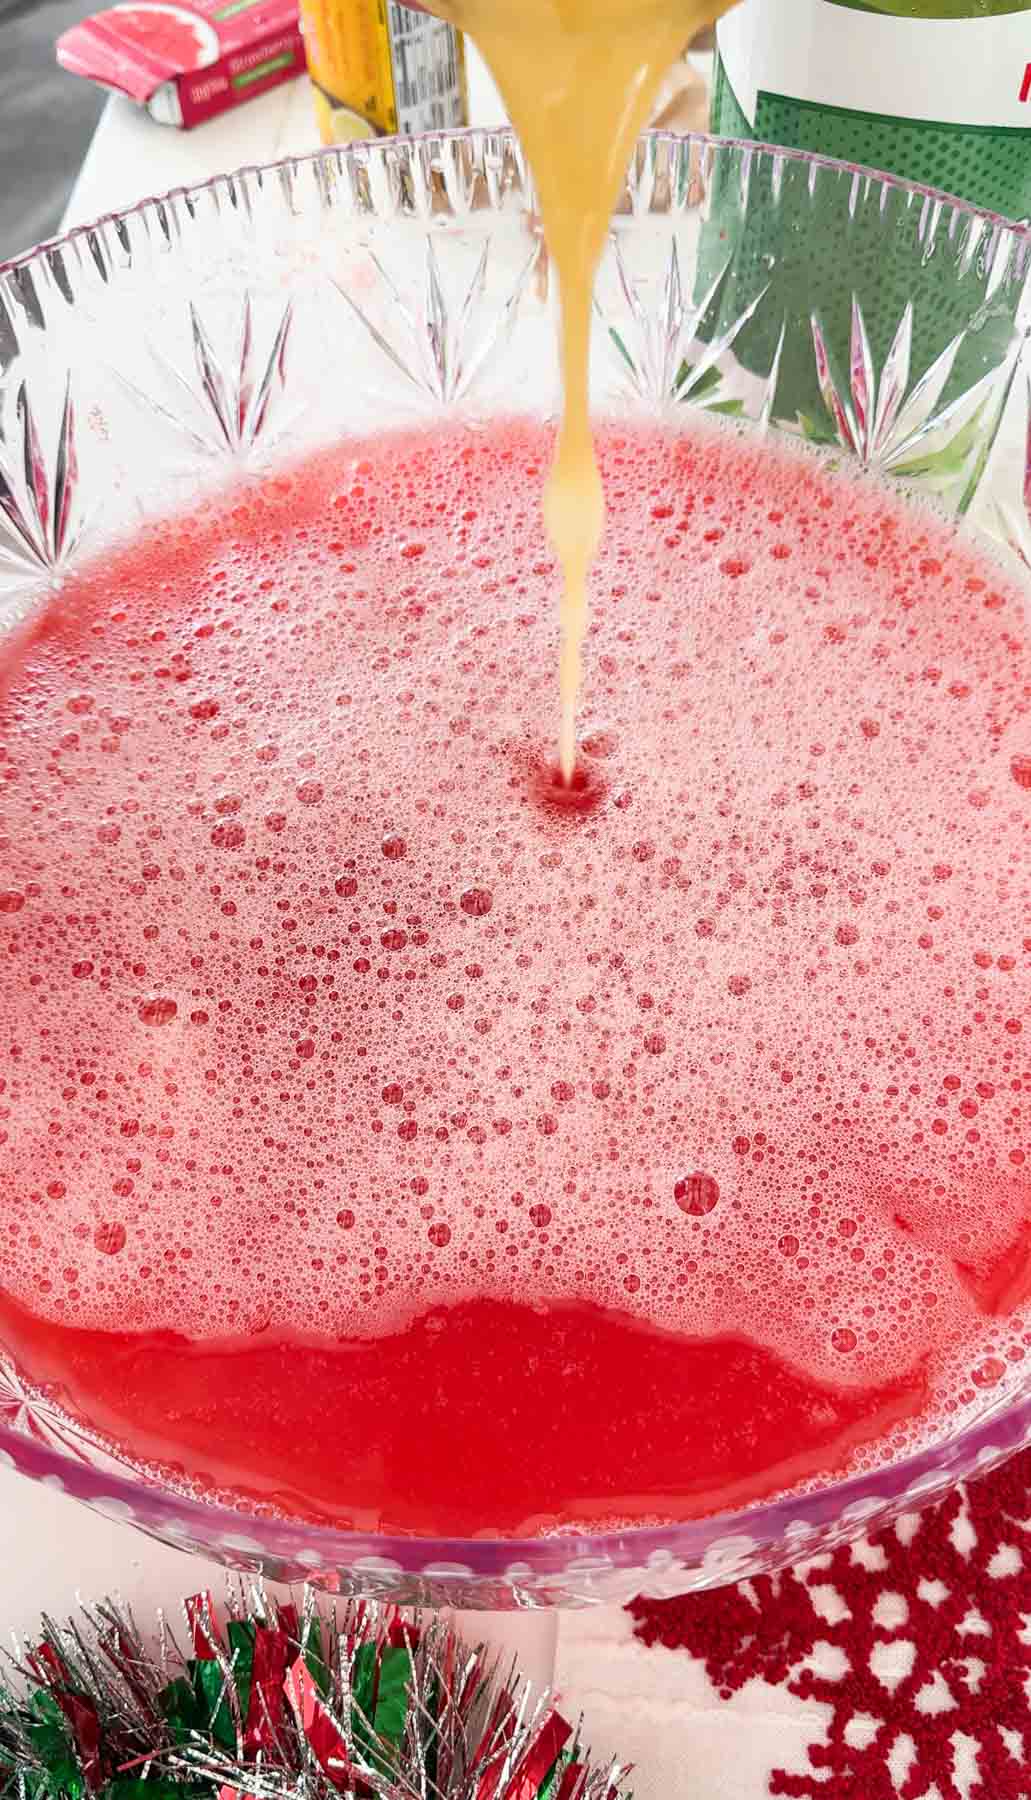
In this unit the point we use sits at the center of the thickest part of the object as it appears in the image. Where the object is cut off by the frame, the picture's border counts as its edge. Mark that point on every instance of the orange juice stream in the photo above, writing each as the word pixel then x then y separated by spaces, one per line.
pixel 580 80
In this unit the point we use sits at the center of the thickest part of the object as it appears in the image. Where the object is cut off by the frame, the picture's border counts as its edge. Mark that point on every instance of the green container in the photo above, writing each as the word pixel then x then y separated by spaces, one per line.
pixel 935 91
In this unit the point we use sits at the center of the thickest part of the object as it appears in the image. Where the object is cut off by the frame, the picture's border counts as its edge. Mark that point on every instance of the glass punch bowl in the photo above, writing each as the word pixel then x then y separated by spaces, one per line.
pixel 232 326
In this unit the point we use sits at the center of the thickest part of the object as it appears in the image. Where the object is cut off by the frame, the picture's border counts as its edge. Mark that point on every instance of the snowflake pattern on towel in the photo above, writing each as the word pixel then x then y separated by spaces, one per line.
pixel 918 1640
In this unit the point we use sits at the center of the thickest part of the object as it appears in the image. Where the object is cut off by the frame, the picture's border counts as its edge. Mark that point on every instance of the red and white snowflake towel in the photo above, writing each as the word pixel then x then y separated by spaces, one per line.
pixel 896 1668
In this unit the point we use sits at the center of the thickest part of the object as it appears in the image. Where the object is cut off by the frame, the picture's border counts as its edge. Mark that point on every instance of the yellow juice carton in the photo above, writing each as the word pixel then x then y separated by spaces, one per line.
pixel 378 67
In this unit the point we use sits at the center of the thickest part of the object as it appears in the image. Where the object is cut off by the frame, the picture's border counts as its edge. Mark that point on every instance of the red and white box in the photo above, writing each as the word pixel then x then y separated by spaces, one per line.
pixel 186 64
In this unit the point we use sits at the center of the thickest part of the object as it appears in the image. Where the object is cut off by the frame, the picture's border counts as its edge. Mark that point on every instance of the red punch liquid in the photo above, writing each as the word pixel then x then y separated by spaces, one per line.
pixel 394 1136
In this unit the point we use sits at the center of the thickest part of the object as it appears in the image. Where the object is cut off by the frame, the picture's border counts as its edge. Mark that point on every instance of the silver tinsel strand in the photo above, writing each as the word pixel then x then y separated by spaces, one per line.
pixel 351 1701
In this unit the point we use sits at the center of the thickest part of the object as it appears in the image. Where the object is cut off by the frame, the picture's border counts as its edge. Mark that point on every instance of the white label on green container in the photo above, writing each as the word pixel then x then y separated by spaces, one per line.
pixel 974 71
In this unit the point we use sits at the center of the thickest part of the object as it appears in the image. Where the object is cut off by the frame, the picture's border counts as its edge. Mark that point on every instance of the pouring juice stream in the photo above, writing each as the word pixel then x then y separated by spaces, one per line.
pixel 579 80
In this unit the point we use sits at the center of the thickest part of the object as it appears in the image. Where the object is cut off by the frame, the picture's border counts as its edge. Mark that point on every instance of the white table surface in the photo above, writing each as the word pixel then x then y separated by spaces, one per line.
pixel 653 1707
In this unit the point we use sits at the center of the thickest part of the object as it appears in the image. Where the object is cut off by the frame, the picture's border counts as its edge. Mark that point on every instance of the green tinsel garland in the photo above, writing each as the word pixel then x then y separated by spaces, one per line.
pixel 361 1703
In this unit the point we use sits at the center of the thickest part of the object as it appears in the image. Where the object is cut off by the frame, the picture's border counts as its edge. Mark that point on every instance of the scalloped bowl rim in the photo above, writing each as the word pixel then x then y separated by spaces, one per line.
pixel 1020 229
